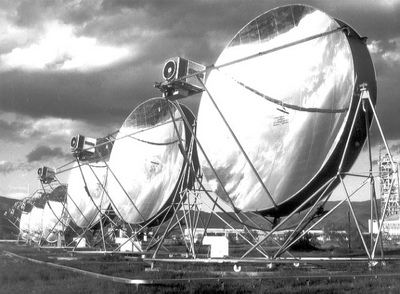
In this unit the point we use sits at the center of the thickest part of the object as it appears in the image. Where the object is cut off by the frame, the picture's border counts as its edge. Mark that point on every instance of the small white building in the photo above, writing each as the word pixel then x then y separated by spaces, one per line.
pixel 391 226
pixel 199 232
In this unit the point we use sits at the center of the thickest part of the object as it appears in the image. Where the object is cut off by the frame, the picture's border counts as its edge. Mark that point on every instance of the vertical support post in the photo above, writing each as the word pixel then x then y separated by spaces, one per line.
pixel 371 181
pixel 374 205
pixel 348 219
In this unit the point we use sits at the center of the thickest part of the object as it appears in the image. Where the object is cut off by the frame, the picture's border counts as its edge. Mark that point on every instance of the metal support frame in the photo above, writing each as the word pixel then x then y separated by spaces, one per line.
pixel 59 221
pixel 365 104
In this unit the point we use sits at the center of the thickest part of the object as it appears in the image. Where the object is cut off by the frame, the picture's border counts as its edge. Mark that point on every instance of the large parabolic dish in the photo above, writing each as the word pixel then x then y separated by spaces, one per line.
pixel 55 215
pixel 87 200
pixel 55 220
pixel 147 163
pixel 31 224
pixel 290 107
pixel 36 224
pixel 24 225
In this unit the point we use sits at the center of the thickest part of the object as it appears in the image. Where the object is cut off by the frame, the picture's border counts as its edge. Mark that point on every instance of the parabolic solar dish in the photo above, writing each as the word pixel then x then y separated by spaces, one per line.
pixel 55 215
pixel 55 220
pixel 86 210
pixel 31 224
pixel 146 161
pixel 290 108
pixel 36 224
pixel 24 225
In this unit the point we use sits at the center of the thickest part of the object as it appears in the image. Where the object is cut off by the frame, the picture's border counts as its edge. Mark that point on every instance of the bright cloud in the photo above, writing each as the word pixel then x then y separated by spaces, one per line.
pixel 59 49
pixel 54 127
pixel 389 51
pixel 46 153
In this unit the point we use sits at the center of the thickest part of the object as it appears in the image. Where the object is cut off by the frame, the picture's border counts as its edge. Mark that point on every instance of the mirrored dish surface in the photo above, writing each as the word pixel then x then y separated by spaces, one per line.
pixel 24 225
pixel 83 209
pixel 36 224
pixel 146 161
pixel 290 109
pixel 55 220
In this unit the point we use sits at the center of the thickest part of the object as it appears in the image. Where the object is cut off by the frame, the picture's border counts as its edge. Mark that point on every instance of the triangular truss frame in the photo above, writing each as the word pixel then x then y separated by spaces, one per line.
pixel 366 105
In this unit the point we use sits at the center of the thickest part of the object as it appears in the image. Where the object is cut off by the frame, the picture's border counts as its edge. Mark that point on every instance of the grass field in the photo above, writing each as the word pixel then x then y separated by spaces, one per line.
pixel 23 276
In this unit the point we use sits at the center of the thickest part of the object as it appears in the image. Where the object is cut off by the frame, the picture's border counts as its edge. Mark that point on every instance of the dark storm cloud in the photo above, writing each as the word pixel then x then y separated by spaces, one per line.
pixel 149 32
pixel 373 21
pixel 159 37
pixel 33 13
pixel 192 28
pixel 45 153
pixel 104 98
pixel 388 107
pixel 198 30
pixel 28 13
pixel 387 73
pixel 78 14
pixel 107 96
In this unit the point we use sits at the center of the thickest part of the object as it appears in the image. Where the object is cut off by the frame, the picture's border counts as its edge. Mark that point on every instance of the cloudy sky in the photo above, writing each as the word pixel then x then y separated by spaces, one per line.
pixel 80 67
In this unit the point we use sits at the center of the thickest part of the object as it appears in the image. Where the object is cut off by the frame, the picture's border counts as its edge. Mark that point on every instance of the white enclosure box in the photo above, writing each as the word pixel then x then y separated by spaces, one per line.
pixel 219 245
pixel 81 242
pixel 128 245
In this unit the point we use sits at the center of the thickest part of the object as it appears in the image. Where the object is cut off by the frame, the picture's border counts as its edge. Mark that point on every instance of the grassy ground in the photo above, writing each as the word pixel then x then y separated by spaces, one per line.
pixel 20 276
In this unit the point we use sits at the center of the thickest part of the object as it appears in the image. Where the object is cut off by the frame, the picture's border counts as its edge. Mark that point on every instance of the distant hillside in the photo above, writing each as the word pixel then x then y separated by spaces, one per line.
pixel 4 201
pixel 7 230
pixel 361 209
pixel 338 219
